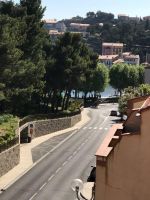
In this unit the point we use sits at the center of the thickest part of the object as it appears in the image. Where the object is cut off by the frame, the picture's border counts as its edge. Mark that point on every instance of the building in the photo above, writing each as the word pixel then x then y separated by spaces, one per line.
pixel 136 19
pixel 112 48
pixel 53 24
pixel 122 160
pixel 132 59
pixel 123 17
pixel 79 27
pixel 108 60
pixel 146 18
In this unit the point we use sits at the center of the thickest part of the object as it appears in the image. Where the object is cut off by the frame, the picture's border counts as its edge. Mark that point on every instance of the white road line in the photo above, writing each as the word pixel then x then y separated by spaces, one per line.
pixel 95 128
pixel 78 149
pixel 51 177
pixel 106 128
pixel 69 158
pixel 84 128
pixel 58 170
pixel 74 153
pixel 100 128
pixel 42 186
pixel 90 127
pixel 33 196
pixel 64 163
pixel 104 120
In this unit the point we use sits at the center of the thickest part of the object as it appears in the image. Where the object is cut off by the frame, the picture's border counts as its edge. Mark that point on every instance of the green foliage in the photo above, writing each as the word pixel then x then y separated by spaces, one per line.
pixel 124 75
pixel 130 32
pixel 74 105
pixel 130 93
pixel 8 125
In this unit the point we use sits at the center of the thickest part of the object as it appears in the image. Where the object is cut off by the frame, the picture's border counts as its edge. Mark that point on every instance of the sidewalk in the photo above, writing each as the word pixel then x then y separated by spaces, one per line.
pixel 26 162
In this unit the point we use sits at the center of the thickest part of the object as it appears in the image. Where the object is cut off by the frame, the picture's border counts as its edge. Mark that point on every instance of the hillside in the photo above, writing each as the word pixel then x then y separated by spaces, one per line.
pixel 134 32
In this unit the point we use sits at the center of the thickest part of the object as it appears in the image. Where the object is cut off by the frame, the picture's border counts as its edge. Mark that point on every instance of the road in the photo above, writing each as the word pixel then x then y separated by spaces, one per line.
pixel 51 178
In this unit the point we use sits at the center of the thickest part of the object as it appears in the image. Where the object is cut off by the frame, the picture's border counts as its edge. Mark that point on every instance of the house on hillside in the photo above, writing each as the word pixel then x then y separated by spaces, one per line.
pixel 122 160
pixel 112 48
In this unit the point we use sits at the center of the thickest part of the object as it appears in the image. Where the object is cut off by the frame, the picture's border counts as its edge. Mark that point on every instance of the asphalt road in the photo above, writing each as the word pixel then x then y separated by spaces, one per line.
pixel 51 178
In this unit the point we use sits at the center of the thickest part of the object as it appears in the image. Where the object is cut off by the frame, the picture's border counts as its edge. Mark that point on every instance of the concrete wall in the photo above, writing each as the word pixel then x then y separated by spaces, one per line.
pixel 44 127
pixel 9 159
pixel 126 173
pixel 147 75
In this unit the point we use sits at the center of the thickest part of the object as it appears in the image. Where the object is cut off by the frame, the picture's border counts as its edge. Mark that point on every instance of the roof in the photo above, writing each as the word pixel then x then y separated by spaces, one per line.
pixel 105 149
pixel 136 99
pixel 113 44
pixel 55 32
pixel 118 61
pixel 50 21
pixel 146 104
pixel 126 53
pixel 131 56
pixel 77 24
pixel 122 15
pixel 107 57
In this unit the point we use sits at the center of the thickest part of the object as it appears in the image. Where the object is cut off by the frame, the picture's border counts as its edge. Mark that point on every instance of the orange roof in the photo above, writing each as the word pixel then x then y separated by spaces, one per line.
pixel 118 61
pixel 107 57
pixel 104 149
pixel 146 103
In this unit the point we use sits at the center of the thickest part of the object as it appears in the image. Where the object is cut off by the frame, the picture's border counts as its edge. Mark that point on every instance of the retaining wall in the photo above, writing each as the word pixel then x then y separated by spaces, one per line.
pixel 44 127
pixel 9 159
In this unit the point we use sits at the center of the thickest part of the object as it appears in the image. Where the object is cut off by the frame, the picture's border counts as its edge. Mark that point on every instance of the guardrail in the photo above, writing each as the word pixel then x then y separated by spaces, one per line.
pixel 9 144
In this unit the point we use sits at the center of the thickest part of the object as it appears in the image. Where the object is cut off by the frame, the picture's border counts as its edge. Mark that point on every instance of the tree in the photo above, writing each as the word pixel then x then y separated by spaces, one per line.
pixel 71 61
pixel 22 43
pixel 124 75
pixel 129 93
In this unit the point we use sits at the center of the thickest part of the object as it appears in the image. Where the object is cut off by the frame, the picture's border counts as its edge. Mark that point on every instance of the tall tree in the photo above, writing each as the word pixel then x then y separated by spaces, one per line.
pixel 124 75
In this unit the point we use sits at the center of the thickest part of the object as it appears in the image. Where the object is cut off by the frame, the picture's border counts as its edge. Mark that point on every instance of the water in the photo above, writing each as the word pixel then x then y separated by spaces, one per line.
pixel 109 91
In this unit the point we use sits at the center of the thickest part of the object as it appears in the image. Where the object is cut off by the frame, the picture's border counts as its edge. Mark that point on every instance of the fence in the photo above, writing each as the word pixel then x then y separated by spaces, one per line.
pixel 9 144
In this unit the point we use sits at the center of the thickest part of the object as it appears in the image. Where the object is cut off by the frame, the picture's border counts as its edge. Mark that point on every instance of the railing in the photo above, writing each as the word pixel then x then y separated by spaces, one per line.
pixel 9 144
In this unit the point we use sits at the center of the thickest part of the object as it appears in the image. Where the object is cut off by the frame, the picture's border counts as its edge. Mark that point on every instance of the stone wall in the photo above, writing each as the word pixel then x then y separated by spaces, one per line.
pixel 9 159
pixel 44 127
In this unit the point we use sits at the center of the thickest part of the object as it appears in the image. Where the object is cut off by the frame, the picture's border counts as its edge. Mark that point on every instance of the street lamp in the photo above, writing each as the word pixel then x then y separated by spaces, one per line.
pixel 77 186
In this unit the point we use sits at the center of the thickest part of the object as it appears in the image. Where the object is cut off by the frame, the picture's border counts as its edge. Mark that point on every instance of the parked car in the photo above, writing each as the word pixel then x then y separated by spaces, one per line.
pixel 113 113
pixel 92 176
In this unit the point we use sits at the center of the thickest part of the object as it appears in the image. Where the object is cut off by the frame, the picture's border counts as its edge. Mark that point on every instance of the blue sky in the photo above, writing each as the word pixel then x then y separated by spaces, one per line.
pixel 62 9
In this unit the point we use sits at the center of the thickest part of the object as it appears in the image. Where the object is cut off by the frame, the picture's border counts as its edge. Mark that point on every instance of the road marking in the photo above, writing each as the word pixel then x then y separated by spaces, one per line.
pixel 74 153
pixel 58 170
pixel 33 196
pixel 78 149
pixel 100 128
pixel 42 186
pixel 51 177
pixel 69 158
pixel 64 163
pixel 90 127
pixel 106 128
pixel 95 128
pixel 104 120
pixel 84 128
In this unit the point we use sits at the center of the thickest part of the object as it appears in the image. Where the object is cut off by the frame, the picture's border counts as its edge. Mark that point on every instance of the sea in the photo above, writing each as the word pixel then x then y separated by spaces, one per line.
pixel 108 92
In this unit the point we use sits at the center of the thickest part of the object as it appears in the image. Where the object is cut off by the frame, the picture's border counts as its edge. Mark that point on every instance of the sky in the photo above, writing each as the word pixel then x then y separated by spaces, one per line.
pixel 64 9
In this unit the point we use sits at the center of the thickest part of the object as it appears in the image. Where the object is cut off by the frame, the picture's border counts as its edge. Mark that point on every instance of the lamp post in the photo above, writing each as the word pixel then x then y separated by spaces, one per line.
pixel 77 187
